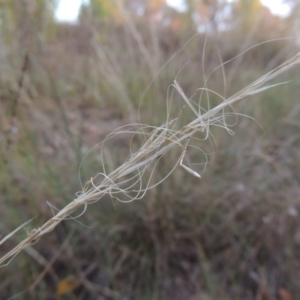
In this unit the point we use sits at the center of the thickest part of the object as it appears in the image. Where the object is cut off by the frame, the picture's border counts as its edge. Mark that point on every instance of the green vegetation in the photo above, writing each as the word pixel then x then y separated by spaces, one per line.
pixel 233 234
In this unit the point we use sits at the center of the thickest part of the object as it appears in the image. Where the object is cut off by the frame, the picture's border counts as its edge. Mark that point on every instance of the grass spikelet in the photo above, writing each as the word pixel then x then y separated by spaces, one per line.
pixel 126 183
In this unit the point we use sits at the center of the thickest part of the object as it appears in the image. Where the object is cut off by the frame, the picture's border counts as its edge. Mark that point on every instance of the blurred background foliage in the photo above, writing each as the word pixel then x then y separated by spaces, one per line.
pixel 64 86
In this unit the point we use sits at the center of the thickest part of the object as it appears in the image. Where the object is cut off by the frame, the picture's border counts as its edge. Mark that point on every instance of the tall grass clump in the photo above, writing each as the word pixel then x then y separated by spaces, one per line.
pixel 216 171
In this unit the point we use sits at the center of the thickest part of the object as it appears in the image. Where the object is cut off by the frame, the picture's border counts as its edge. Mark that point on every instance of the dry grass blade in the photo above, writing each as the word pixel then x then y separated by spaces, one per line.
pixel 13 232
pixel 159 142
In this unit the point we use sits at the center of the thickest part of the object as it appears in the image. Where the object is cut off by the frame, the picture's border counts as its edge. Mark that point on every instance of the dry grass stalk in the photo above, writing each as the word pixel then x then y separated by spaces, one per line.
pixel 157 143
